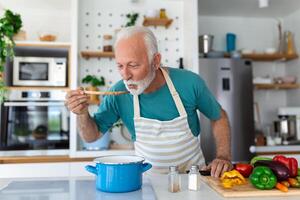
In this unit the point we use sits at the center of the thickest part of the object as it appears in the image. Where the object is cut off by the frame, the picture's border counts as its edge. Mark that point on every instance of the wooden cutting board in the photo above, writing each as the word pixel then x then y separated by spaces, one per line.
pixel 246 190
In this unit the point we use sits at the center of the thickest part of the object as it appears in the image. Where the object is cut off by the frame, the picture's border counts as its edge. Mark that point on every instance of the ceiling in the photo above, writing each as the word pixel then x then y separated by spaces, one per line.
pixel 247 8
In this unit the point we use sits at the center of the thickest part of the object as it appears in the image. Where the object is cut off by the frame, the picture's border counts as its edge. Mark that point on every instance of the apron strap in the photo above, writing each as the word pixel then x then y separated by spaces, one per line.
pixel 175 96
pixel 174 93
pixel 136 106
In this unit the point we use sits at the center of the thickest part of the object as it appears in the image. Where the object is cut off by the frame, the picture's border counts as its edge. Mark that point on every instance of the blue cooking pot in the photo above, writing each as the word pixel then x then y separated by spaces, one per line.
pixel 119 173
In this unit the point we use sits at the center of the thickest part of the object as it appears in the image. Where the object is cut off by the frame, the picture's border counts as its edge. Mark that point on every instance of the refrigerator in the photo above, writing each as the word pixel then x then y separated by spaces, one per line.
pixel 230 81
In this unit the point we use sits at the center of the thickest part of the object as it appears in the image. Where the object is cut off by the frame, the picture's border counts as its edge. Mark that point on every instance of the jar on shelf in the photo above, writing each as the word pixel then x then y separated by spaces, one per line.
pixel 107 43
pixel 162 13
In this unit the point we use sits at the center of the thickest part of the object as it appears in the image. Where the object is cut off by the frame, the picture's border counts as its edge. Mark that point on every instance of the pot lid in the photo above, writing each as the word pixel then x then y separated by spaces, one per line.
pixel 118 159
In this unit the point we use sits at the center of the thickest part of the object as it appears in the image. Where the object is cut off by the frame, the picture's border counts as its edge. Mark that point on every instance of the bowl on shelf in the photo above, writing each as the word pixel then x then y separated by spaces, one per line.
pixel 289 79
pixel 47 36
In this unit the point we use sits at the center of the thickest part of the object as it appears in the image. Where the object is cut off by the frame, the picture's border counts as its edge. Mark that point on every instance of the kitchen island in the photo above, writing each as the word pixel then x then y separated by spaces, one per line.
pixel 81 188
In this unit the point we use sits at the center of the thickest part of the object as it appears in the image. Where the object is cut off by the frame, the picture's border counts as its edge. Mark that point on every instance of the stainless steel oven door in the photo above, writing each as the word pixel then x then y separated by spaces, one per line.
pixel 34 126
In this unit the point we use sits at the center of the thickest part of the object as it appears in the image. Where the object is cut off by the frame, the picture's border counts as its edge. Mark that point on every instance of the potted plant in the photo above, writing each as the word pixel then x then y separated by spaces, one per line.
pixel 131 19
pixel 10 24
pixel 94 82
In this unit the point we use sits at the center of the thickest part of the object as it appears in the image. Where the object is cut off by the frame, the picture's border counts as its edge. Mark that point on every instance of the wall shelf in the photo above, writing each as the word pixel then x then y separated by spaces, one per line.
pixel 43 44
pixel 37 88
pixel 277 86
pixel 97 54
pixel 269 57
pixel 157 22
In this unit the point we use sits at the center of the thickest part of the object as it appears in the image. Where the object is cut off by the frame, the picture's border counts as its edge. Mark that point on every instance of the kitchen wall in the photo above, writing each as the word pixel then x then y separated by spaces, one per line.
pixel 42 16
pixel 253 34
pixel 292 23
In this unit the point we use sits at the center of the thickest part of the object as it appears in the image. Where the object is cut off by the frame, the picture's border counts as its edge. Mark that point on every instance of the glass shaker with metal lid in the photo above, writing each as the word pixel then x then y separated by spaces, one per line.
pixel 174 179
pixel 194 178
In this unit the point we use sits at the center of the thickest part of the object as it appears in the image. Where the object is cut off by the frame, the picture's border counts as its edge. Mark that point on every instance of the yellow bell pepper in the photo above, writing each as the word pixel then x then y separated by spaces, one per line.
pixel 231 178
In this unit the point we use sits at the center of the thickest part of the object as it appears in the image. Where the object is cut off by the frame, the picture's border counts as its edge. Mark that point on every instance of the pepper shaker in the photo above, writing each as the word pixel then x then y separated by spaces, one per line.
pixel 174 179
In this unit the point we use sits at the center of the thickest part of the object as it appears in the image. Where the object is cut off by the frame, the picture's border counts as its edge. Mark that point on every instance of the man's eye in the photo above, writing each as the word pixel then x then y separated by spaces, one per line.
pixel 120 66
pixel 133 65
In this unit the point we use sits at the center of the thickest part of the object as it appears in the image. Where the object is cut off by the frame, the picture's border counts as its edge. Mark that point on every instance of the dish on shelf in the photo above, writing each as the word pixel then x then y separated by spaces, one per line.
pixel 47 36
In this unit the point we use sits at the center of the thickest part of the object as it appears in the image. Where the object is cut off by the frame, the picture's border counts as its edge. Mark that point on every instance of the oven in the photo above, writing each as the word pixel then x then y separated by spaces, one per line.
pixel 34 123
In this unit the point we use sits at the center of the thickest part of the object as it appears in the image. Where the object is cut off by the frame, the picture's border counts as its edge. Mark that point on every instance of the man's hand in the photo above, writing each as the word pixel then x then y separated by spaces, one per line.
pixel 218 166
pixel 77 102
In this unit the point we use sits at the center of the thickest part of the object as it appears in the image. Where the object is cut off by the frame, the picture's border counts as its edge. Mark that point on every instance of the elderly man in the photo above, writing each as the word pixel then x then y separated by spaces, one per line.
pixel 160 111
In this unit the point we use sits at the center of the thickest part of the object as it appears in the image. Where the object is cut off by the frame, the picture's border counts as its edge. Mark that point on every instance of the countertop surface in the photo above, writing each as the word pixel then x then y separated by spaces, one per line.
pixel 82 188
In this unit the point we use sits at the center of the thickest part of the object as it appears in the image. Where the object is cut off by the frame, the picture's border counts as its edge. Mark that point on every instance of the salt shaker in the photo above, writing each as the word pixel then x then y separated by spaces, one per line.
pixel 194 178
pixel 174 179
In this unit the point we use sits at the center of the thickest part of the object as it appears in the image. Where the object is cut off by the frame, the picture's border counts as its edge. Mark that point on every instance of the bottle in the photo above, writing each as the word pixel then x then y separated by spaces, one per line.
pixel 181 63
pixel 174 179
pixel 162 14
pixel 194 178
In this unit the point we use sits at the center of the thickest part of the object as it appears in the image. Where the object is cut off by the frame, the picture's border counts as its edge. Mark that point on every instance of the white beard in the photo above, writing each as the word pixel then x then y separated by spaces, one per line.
pixel 142 84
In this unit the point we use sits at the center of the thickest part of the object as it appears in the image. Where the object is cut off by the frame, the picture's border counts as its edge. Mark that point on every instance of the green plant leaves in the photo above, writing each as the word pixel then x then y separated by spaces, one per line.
pixel 93 80
pixel 131 19
pixel 10 24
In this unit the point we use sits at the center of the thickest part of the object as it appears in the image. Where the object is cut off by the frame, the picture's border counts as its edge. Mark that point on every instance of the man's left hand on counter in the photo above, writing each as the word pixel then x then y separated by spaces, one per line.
pixel 218 166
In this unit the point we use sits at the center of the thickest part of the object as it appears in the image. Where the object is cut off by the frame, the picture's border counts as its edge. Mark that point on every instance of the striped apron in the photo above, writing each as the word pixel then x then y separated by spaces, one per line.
pixel 167 143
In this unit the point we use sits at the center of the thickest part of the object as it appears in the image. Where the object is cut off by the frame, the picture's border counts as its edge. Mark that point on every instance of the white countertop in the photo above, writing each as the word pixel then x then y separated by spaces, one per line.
pixel 82 188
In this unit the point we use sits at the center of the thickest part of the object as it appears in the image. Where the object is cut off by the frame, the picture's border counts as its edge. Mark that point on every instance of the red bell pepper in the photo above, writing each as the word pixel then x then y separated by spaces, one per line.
pixel 244 169
pixel 290 163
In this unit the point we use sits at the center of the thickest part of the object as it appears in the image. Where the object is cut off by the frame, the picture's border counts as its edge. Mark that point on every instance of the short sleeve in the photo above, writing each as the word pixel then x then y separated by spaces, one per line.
pixel 106 115
pixel 206 102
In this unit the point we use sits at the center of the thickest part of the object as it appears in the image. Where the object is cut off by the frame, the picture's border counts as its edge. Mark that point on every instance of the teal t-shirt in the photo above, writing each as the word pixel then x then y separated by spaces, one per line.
pixel 159 104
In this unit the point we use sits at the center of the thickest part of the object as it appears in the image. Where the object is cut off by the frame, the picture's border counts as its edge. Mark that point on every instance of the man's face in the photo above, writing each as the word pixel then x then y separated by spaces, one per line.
pixel 132 60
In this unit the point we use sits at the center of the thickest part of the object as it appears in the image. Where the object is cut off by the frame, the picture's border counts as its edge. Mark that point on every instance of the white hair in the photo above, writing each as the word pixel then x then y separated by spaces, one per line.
pixel 149 38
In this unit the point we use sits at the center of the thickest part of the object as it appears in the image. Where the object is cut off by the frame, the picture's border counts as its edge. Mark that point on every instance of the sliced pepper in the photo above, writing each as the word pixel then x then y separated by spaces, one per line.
pixel 263 178
pixel 231 178
pixel 291 163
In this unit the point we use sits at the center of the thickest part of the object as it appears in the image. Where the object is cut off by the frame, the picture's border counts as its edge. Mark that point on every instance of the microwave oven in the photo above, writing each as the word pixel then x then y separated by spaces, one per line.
pixel 39 71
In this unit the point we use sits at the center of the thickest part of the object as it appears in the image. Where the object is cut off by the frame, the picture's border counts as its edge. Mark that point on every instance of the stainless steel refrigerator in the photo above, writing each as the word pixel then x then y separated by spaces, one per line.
pixel 230 80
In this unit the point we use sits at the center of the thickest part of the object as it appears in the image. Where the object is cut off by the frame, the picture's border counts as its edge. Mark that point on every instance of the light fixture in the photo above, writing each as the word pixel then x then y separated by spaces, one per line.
pixel 263 3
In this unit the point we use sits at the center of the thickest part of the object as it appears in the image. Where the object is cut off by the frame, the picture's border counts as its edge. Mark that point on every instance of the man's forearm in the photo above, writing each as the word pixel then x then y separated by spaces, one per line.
pixel 88 129
pixel 221 131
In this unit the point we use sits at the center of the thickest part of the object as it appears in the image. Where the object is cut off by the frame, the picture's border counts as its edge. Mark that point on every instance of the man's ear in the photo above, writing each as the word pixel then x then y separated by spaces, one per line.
pixel 157 60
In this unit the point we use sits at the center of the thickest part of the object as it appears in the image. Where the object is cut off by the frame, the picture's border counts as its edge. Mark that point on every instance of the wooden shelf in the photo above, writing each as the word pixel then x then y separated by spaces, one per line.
pixel 41 159
pixel 37 88
pixel 276 86
pixel 157 22
pixel 42 44
pixel 269 57
pixel 97 54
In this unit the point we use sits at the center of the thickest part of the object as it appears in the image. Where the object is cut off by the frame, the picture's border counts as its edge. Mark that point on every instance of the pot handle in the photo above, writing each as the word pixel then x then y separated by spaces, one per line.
pixel 146 166
pixel 91 169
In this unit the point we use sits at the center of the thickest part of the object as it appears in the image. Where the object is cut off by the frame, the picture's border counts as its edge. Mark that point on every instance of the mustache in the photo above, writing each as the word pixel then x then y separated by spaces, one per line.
pixel 131 82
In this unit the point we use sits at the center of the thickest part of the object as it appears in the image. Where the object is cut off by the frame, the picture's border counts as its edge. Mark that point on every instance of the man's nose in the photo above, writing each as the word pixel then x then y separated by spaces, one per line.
pixel 126 75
